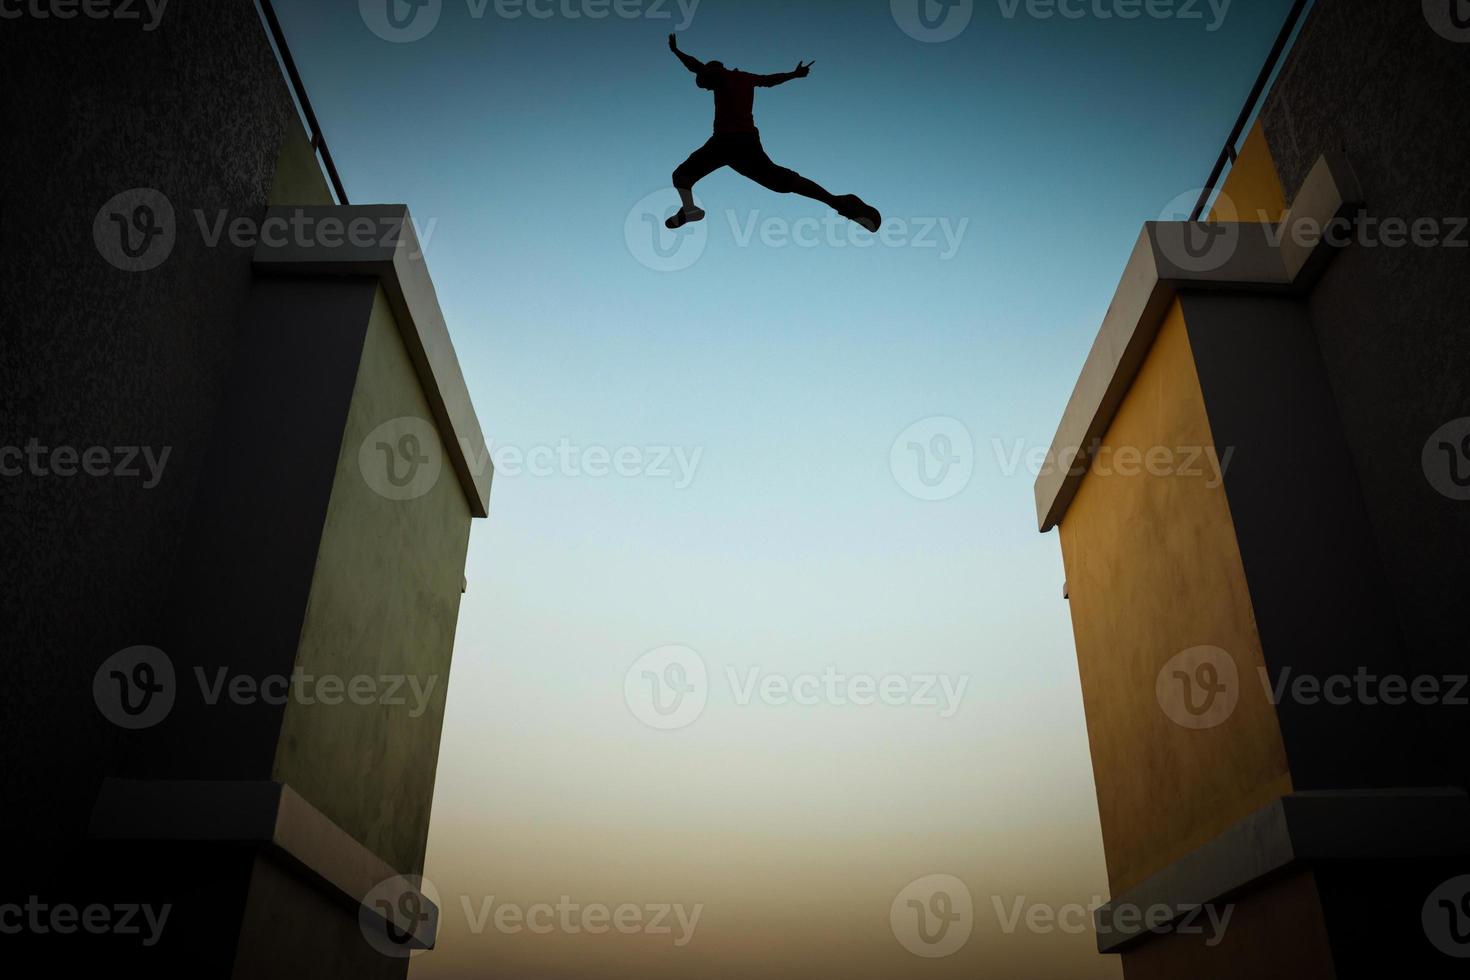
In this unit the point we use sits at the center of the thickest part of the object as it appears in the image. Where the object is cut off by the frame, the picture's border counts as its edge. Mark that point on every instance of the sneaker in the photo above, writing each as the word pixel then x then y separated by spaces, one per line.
pixel 854 208
pixel 682 217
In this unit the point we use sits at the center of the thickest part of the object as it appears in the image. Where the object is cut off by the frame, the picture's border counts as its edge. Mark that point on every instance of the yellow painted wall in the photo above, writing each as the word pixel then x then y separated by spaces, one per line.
pixel 1252 191
pixel 1153 569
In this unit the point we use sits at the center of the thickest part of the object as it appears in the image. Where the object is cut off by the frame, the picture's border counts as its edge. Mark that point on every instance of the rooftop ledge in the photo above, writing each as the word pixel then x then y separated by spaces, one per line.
pixel 380 240
pixel 1170 257
pixel 275 817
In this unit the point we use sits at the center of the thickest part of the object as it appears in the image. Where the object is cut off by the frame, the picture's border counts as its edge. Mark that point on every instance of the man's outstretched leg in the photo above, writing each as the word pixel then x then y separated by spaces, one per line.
pixel 754 163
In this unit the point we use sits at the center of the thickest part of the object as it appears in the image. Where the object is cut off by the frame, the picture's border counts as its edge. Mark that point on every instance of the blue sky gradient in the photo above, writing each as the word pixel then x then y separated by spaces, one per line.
pixel 791 370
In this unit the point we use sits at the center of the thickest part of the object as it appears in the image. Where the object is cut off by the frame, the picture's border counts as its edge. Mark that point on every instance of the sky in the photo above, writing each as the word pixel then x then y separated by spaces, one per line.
pixel 760 628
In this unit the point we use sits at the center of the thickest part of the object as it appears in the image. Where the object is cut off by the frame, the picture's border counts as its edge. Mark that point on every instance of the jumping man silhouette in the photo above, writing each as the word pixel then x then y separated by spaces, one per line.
pixel 737 144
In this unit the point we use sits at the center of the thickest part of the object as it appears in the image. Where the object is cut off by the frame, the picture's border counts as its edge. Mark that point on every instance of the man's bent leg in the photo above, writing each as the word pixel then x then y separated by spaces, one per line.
pixel 701 163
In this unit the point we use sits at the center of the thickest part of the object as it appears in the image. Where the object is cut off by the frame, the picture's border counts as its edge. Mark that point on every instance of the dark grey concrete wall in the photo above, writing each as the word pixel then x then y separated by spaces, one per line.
pixel 244 576
pixel 1316 581
pixel 1375 80
pixel 95 356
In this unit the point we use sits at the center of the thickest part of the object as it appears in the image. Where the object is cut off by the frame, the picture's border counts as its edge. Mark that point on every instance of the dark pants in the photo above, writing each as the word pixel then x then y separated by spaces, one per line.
pixel 743 153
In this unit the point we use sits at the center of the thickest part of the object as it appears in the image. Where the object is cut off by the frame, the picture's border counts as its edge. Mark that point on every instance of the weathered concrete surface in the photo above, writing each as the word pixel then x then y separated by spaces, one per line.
pixel 96 356
pixel 1393 323
pixel 384 604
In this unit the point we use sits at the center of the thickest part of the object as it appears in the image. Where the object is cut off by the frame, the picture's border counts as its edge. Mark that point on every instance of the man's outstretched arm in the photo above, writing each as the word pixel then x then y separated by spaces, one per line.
pixel 802 71
pixel 693 64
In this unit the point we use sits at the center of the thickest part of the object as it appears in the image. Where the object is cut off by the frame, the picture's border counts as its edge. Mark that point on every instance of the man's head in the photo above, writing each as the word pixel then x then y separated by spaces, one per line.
pixel 711 76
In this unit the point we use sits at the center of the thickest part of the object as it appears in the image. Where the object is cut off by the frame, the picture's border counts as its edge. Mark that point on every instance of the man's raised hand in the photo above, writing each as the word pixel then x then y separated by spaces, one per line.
pixel 673 43
pixel 803 70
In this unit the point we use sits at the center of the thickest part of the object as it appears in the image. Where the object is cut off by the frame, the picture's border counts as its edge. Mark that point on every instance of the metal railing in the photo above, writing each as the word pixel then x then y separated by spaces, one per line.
pixel 314 127
pixel 1228 154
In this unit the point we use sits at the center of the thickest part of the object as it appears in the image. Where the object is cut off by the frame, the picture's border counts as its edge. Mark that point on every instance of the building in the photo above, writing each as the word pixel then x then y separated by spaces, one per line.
pixel 241 470
pixel 1261 486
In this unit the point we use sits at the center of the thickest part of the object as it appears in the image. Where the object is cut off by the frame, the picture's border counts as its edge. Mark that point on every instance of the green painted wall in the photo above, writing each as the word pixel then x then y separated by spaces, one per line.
pixel 299 178
pixel 384 604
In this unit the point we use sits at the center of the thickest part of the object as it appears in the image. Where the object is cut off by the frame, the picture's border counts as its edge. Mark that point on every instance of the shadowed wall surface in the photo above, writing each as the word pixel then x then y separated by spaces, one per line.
pixel 1375 81
pixel 96 356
